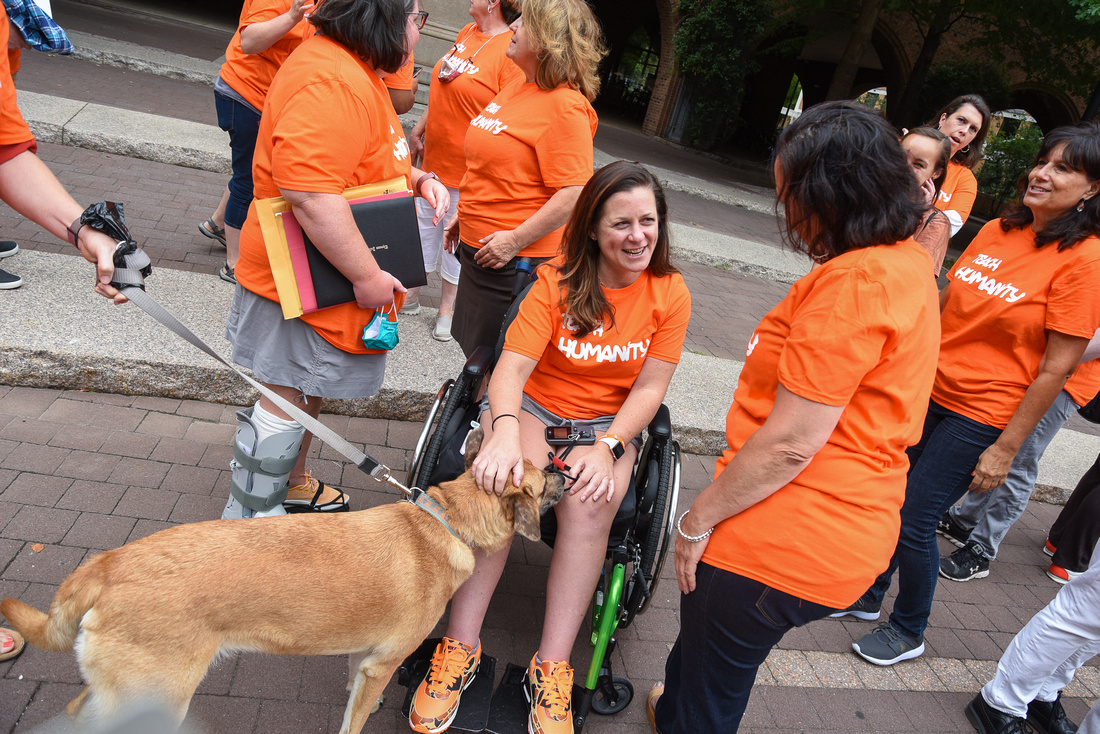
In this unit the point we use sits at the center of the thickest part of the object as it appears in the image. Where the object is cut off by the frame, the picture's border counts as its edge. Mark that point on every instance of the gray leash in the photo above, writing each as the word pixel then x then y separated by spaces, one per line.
pixel 132 266
pixel 379 472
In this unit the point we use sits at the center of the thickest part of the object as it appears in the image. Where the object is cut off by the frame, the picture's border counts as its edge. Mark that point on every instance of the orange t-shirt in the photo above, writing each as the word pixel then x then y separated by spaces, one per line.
pixel 1085 382
pixel 958 191
pixel 15 58
pixel 402 79
pixel 451 105
pixel 861 332
pixel 13 128
pixel 1004 294
pixel 358 140
pixel 250 75
pixel 591 376
pixel 523 146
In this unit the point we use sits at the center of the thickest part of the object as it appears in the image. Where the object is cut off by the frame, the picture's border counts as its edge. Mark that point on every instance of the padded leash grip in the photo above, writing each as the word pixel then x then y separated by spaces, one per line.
pixel 132 266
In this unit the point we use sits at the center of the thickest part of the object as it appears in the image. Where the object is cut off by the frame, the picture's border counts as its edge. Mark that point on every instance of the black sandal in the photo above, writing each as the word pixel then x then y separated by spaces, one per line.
pixel 213 231
pixel 226 273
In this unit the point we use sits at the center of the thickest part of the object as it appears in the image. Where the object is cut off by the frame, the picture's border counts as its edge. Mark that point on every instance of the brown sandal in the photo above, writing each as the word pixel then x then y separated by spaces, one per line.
pixel 16 641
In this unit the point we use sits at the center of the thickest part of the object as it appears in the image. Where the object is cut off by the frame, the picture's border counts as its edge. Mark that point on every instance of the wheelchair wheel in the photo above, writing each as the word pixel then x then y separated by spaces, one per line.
pixel 454 405
pixel 664 513
pixel 612 696
pixel 426 432
pixel 653 534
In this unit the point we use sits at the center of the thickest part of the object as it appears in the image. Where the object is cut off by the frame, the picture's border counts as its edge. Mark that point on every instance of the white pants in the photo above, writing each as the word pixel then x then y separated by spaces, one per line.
pixel 431 239
pixel 1043 657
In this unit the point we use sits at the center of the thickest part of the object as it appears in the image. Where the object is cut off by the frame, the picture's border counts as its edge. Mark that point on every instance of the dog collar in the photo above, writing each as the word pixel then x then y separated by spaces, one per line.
pixel 425 502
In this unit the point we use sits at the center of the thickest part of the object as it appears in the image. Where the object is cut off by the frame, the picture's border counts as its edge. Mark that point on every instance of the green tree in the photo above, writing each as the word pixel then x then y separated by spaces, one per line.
pixel 714 48
pixel 1004 160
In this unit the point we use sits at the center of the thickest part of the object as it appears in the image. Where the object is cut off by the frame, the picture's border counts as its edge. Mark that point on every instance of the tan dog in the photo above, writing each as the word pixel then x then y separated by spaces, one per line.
pixel 147 619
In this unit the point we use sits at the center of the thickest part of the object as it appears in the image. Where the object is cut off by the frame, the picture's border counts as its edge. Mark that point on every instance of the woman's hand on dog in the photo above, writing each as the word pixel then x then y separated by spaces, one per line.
pixel 499 455
pixel 594 469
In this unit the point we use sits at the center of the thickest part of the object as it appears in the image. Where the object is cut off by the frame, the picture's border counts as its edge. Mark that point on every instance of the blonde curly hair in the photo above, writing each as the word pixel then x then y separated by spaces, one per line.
pixel 569 43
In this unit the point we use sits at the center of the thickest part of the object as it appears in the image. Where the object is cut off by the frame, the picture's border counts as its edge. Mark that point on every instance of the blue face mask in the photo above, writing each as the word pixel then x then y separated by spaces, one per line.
pixel 381 333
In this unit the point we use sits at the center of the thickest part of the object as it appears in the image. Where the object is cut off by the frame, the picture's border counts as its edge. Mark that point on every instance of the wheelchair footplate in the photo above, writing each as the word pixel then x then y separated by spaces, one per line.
pixel 509 711
pixel 473 715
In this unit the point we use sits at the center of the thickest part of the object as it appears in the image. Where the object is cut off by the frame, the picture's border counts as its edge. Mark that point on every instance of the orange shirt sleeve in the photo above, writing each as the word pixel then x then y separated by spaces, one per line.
pixel 959 191
pixel 311 152
pixel 13 128
pixel 250 75
pixel 837 339
pixel 534 324
pixel 668 342
pixel 402 79
pixel 565 150
pixel 1073 306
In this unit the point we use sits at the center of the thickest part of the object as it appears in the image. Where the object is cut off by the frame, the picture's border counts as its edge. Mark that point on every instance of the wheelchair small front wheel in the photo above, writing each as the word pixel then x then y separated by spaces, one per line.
pixel 611 697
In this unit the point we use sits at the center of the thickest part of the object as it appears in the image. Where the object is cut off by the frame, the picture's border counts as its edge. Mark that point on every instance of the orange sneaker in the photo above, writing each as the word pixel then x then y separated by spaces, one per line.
pixel 436 700
pixel 550 691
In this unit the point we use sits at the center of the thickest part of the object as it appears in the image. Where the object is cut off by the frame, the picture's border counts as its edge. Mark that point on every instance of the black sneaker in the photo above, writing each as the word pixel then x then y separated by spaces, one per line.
pixel 865 608
pixel 886 646
pixel 988 720
pixel 9 281
pixel 8 248
pixel 968 562
pixel 1048 717
pixel 955 533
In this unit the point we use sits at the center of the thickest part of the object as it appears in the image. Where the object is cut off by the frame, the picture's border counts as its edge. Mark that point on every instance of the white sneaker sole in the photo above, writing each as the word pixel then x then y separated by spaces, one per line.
pixel 9 253
pixel 950 539
pixel 975 575
pixel 916 652
pixel 865 616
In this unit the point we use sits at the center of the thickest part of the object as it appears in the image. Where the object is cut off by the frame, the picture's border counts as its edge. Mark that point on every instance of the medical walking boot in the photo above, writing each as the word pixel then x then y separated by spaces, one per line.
pixel 260 469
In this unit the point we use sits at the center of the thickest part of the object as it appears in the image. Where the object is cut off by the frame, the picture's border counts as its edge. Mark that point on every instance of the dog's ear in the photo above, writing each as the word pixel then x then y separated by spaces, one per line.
pixel 473 445
pixel 526 514
pixel 525 510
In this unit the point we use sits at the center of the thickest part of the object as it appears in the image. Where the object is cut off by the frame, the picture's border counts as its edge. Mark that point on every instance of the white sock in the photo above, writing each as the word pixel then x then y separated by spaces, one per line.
pixel 268 424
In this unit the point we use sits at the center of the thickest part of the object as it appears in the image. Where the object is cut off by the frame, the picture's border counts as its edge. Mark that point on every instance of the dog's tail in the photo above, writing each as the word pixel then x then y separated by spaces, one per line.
pixel 57 631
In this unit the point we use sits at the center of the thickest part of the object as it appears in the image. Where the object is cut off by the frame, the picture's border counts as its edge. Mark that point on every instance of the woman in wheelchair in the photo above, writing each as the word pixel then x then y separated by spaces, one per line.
pixel 594 345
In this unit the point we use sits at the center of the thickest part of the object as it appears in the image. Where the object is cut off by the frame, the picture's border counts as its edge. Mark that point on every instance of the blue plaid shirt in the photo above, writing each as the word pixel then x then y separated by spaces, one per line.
pixel 37 28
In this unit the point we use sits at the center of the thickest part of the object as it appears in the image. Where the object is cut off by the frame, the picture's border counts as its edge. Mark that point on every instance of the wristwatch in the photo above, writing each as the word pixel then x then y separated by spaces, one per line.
pixel 615 444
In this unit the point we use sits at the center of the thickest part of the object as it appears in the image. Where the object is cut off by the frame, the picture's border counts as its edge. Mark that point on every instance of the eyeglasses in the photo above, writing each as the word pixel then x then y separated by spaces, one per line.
pixel 419 19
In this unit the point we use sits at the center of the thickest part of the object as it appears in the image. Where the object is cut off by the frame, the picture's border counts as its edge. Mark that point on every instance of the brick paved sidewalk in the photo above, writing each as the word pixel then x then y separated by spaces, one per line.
pixel 83 472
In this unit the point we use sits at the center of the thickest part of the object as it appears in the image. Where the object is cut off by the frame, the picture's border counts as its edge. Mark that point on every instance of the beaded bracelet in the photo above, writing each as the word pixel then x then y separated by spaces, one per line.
pixel 691 538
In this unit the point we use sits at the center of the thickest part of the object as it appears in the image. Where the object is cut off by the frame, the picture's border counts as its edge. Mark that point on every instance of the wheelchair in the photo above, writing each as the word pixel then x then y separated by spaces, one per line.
pixel 638 544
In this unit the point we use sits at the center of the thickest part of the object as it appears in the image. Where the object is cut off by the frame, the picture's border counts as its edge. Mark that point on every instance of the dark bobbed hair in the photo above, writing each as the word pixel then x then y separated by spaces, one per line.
pixel 1081 153
pixel 581 293
pixel 845 182
pixel 945 151
pixel 373 30
pixel 973 149
pixel 510 10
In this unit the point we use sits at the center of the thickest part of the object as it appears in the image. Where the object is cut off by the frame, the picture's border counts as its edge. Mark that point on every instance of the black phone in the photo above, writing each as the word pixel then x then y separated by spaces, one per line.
pixel 565 435
pixel 417 70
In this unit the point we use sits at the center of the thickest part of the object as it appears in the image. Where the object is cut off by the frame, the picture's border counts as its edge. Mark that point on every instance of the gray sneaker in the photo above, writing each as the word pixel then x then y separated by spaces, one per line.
pixel 865 608
pixel 9 281
pixel 886 646
pixel 968 562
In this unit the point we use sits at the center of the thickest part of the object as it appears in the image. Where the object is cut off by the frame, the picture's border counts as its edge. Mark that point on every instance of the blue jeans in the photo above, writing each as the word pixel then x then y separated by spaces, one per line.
pixel 243 126
pixel 989 515
pixel 728 625
pixel 940 471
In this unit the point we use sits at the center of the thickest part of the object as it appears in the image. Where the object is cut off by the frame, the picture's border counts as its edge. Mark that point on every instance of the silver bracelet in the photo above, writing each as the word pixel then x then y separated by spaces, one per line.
pixel 691 538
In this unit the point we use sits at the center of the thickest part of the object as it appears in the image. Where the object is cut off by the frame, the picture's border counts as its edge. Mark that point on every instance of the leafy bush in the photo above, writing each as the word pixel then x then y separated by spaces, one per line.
pixel 1005 158
pixel 714 46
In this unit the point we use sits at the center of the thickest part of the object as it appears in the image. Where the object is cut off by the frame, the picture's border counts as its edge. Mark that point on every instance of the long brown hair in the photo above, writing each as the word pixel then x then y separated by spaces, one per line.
pixel 1081 153
pixel 971 153
pixel 581 294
